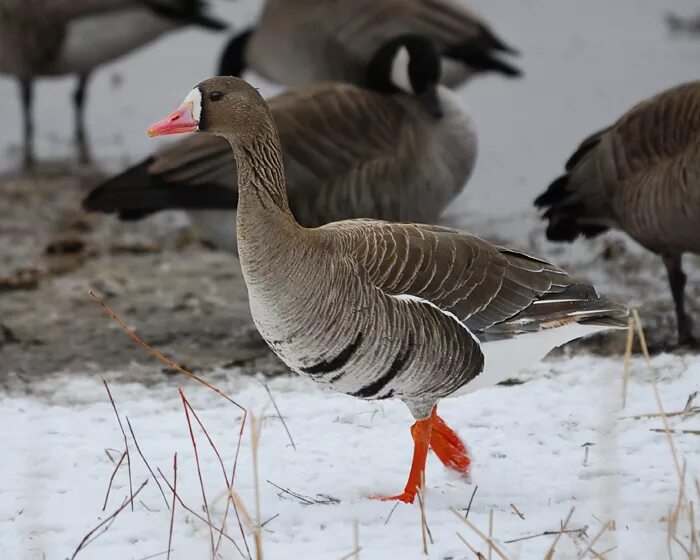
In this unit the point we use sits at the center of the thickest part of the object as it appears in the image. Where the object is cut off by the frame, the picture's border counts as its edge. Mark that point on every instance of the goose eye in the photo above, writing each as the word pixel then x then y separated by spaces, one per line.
pixel 215 96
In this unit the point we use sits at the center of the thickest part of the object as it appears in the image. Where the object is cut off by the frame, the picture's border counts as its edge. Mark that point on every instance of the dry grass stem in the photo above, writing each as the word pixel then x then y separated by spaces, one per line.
pixel 274 403
pixel 131 334
pixel 111 480
pixel 469 505
pixel 393 509
pixel 356 538
pixel 490 533
pixel 126 443
pixel 478 531
pixel 423 523
pixel 255 431
pixel 580 532
pixel 476 553
pixel 197 515
pixel 199 473
pixel 517 511
pixel 628 358
pixel 595 539
pixel 562 529
pixel 172 509
pixel 107 522
pixel 143 458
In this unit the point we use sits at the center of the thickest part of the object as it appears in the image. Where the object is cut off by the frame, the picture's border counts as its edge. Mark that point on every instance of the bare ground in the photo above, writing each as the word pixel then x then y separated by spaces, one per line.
pixel 186 299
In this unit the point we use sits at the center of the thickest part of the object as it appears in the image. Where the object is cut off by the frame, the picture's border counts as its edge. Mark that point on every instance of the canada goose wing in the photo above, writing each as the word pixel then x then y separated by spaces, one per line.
pixel 495 291
pixel 342 145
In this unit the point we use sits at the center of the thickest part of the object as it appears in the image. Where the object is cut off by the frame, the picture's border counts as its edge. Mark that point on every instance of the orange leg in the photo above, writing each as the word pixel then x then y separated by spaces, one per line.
pixel 420 431
pixel 446 444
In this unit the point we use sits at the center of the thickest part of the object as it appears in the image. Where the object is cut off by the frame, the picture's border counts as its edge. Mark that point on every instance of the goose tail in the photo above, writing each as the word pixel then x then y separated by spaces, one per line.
pixel 479 56
pixel 189 12
pixel 574 204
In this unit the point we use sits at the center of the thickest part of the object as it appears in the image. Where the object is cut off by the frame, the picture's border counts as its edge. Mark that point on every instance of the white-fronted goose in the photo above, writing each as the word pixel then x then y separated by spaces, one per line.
pixel 400 150
pixel 57 37
pixel 379 309
pixel 641 175
pixel 304 41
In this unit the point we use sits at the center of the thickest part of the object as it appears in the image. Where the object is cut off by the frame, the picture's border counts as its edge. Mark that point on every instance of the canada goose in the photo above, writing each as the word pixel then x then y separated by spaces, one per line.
pixel 402 152
pixel 379 309
pixel 641 175
pixel 304 41
pixel 40 38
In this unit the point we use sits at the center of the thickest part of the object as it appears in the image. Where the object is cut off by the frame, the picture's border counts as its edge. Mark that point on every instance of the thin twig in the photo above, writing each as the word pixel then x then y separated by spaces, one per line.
pixel 581 531
pixel 86 539
pixel 111 480
pixel 423 524
pixel 517 511
pixel 550 552
pixel 478 554
pixel 356 538
pixel 150 470
pixel 172 510
pixel 478 532
pixel 126 443
pixel 664 431
pixel 197 515
pixel 274 403
pixel 255 431
pixel 469 506
pixel 628 357
pixel 199 473
pixel 490 533
pixel 595 540
pixel 157 354
pixel 393 509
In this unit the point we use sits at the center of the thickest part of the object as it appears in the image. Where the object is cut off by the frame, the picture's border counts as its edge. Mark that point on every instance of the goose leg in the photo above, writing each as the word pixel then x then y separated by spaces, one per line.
pixel 448 447
pixel 79 103
pixel 420 432
pixel 25 86
pixel 677 280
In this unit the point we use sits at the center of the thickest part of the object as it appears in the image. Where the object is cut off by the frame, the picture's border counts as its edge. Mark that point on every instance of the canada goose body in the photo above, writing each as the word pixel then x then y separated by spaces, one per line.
pixel 40 38
pixel 378 309
pixel 640 175
pixel 305 41
pixel 348 152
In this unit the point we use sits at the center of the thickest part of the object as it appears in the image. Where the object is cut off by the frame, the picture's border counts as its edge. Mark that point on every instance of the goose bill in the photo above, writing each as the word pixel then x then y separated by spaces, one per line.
pixel 179 121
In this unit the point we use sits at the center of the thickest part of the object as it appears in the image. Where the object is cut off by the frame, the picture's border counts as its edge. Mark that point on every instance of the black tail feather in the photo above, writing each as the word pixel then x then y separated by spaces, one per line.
pixel 192 12
pixel 567 216
pixel 495 42
pixel 135 194
pixel 480 58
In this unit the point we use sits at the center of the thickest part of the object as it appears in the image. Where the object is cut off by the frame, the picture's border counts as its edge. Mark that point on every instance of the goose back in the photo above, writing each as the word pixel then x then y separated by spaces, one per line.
pixel 642 174
pixel 334 39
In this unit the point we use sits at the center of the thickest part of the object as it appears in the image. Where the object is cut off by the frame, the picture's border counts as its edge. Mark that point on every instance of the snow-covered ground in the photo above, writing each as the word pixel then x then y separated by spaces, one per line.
pixel 585 63
pixel 558 441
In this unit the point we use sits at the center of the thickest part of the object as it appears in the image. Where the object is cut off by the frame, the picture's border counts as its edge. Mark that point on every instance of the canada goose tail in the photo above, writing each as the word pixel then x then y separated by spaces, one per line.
pixel 135 194
pixel 232 61
pixel 190 12
pixel 575 203
pixel 479 56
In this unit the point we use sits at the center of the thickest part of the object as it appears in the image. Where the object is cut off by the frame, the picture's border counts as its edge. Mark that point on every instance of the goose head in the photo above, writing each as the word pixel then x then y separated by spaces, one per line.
pixel 408 63
pixel 225 106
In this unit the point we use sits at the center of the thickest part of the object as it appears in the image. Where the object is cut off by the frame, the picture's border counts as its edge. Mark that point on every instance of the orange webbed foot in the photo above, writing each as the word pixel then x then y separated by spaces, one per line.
pixel 448 447
pixel 405 497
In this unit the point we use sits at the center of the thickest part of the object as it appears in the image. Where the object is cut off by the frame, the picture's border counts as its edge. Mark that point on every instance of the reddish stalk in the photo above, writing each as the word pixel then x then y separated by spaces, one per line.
pixel 150 470
pixel 126 443
pixel 111 480
pixel 172 509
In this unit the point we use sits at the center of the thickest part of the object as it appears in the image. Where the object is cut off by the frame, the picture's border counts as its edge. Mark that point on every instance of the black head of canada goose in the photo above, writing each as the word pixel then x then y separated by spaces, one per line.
pixel 640 175
pixel 305 41
pixel 54 38
pixel 401 149
pixel 379 309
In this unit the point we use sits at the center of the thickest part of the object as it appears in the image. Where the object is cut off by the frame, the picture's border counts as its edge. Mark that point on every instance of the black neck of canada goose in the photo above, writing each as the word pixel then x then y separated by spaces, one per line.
pixel 232 61
pixel 410 64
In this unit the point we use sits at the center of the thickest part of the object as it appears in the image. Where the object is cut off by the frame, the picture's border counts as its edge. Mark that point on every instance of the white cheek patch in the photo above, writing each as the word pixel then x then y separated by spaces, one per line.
pixel 399 70
pixel 195 98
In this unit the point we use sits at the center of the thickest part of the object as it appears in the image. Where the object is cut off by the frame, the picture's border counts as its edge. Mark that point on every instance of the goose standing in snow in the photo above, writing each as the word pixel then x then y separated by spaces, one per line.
pixel 58 37
pixel 400 149
pixel 641 175
pixel 305 41
pixel 378 309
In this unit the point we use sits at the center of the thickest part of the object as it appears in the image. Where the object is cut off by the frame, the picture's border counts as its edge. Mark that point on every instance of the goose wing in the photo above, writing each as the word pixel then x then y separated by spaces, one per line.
pixel 494 291
pixel 344 148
